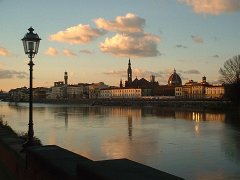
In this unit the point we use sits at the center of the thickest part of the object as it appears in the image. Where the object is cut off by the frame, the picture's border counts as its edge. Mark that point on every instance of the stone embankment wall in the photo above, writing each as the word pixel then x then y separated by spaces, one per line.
pixel 11 157
pixel 55 163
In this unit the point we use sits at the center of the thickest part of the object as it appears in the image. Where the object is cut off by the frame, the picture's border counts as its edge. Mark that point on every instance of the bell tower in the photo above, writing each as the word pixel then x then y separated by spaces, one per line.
pixel 129 72
pixel 65 78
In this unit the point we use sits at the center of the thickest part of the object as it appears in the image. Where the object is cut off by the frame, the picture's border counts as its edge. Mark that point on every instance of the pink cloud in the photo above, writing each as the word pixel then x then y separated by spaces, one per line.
pixel 213 7
pixel 80 34
pixel 118 73
pixel 51 51
pixel 4 52
pixel 130 39
pixel 129 23
pixel 131 45
pixel 86 51
pixel 197 39
pixel 69 53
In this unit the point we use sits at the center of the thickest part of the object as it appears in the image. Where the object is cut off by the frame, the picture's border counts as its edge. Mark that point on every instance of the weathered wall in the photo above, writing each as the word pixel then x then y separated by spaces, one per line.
pixel 55 163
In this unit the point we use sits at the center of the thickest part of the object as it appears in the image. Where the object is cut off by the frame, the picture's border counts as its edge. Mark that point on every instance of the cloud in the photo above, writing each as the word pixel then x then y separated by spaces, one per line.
pixel 80 34
pixel 181 46
pixel 130 39
pixel 119 73
pixel 161 76
pixel 197 39
pixel 9 74
pixel 131 45
pixel 69 53
pixel 191 71
pixel 129 23
pixel 146 74
pixel 213 7
pixel 139 73
pixel 4 52
pixel 2 65
pixel 216 56
pixel 51 51
pixel 86 51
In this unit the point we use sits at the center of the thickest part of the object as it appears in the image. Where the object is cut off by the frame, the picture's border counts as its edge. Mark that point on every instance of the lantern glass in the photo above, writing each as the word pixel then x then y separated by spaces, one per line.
pixel 31 42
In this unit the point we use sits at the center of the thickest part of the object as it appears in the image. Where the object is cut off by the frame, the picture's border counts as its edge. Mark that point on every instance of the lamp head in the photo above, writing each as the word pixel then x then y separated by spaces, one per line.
pixel 31 43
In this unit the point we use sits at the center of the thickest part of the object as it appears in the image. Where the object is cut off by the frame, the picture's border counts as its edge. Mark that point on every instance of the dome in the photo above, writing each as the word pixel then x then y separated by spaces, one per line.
pixel 174 79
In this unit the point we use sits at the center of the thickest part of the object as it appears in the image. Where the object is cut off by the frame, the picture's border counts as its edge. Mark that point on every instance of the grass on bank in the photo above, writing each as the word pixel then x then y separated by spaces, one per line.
pixel 21 135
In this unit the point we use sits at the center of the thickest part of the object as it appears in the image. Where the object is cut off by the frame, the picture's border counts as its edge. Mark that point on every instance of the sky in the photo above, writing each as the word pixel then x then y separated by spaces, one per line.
pixel 92 40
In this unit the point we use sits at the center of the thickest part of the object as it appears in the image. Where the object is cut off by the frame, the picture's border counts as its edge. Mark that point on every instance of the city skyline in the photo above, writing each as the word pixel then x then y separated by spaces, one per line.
pixel 93 41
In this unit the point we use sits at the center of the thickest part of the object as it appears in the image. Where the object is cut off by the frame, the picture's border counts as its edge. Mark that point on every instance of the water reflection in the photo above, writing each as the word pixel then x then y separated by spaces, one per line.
pixel 230 140
pixel 200 116
pixel 66 118
pixel 190 144
pixel 130 126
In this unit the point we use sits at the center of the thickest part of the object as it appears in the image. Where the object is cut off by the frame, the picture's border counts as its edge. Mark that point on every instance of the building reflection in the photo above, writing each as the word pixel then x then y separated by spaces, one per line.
pixel 66 118
pixel 130 127
pixel 160 112
pixel 126 111
pixel 197 117
pixel 200 116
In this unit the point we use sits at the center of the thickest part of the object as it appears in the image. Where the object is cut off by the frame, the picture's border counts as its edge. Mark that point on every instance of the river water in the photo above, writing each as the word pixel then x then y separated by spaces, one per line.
pixel 189 144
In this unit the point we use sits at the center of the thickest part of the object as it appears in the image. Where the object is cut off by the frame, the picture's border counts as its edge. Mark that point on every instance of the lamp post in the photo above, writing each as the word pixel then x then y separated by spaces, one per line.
pixel 30 43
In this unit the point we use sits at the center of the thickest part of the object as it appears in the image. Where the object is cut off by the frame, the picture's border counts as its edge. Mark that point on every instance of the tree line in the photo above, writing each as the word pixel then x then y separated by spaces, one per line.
pixel 230 76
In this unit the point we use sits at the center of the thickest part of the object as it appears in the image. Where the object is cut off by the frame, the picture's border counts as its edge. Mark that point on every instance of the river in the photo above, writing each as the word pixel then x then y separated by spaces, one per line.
pixel 189 144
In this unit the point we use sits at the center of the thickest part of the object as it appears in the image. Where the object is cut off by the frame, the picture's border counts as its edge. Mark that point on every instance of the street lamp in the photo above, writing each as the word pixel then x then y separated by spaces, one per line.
pixel 30 43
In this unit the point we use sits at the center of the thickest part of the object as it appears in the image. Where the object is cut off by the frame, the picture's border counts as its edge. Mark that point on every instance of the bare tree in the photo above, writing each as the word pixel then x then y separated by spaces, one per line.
pixel 230 72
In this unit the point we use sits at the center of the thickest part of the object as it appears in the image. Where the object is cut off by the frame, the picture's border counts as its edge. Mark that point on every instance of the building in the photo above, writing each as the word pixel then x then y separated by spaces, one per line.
pixel 3 95
pixel 128 83
pixel 145 85
pixel 65 78
pixel 58 91
pixel 174 79
pixel 215 91
pixel 116 92
pixel 79 91
pixel 152 85
pixel 63 90
pixel 192 89
pixel 40 93
pixel 19 94
pixel 195 90
pixel 94 89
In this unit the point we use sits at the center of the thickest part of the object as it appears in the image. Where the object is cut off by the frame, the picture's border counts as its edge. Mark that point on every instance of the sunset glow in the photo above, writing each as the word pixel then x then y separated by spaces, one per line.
pixel 93 41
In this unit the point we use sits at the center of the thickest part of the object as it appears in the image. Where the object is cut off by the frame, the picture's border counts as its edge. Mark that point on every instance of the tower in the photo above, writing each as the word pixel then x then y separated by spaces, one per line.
pixel 204 79
pixel 129 72
pixel 65 78
pixel 121 84
pixel 152 78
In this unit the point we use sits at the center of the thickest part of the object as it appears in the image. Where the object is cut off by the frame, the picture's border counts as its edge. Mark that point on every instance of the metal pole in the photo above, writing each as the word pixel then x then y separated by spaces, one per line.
pixel 30 140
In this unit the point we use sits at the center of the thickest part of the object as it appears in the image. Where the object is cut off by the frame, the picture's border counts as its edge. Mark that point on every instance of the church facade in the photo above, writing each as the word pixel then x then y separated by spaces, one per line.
pixel 139 83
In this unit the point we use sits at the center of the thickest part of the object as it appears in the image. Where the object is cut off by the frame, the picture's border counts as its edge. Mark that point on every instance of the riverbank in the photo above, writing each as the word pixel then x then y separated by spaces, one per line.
pixel 179 104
